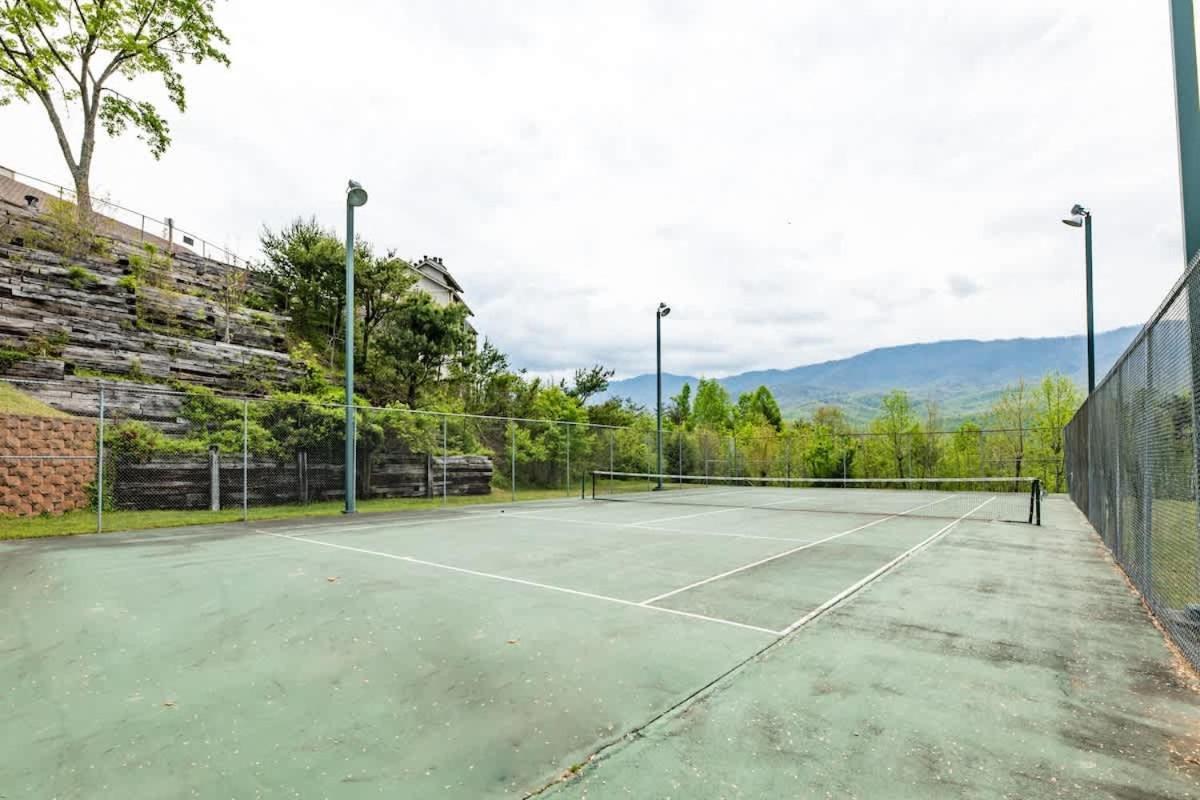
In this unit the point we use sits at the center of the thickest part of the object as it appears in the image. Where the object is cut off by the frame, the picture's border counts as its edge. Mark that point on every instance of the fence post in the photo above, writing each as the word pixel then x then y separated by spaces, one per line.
pixel 214 478
pixel 100 493
pixel 445 462
pixel 1148 475
pixel 679 459
pixel 245 460
pixel 514 459
pixel 612 437
pixel 568 455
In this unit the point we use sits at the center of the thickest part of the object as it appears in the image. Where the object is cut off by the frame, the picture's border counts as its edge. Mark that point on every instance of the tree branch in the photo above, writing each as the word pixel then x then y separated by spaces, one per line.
pixel 54 51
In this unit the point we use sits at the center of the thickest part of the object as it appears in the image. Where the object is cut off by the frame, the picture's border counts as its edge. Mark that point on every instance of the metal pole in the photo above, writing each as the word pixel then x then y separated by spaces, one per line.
pixel 568 458
pixel 351 506
pixel 100 468
pixel 1091 328
pixel 658 373
pixel 445 461
pixel 1187 118
pixel 514 460
pixel 245 459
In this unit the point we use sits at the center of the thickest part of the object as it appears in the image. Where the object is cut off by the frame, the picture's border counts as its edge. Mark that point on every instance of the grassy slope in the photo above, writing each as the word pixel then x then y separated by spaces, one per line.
pixel 15 402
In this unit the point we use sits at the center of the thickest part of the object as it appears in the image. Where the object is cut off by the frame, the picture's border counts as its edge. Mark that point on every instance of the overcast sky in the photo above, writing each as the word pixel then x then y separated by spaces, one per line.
pixel 799 180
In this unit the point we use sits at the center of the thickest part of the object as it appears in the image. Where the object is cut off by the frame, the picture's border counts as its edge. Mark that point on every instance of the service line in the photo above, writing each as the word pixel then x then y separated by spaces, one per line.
pixel 804 546
pixel 523 582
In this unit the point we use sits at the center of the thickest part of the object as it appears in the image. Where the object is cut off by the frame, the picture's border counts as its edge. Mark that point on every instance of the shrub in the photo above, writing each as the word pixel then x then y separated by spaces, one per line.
pixel 80 278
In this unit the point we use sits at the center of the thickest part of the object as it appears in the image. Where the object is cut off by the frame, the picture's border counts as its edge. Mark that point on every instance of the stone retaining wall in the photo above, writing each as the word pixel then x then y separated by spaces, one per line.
pixel 46 464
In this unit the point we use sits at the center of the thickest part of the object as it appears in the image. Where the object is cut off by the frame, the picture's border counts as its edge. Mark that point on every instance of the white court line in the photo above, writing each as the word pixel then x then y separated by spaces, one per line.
pixel 686 516
pixel 320 530
pixel 805 546
pixel 854 588
pixel 522 582
pixel 633 526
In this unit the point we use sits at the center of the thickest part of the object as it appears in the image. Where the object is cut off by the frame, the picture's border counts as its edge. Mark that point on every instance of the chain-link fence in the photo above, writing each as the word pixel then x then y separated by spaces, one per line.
pixel 1132 465
pixel 816 452
pixel 195 456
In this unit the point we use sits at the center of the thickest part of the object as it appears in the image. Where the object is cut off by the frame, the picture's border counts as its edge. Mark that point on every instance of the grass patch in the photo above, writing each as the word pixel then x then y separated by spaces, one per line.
pixel 13 401
pixel 78 522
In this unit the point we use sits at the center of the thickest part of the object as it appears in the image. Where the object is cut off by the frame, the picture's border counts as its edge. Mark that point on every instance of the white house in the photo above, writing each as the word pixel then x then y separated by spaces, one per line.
pixel 435 280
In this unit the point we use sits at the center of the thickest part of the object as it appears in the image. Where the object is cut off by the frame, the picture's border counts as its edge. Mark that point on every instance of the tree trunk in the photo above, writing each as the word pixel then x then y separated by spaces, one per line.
pixel 83 194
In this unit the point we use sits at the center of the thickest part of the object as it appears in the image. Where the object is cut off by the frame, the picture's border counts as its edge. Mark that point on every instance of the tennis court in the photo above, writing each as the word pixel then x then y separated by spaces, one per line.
pixel 704 641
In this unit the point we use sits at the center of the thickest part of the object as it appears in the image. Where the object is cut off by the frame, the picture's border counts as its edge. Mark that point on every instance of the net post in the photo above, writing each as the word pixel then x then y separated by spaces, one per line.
pixel 445 462
pixel 583 486
pixel 593 484
pixel 514 459
pixel 100 467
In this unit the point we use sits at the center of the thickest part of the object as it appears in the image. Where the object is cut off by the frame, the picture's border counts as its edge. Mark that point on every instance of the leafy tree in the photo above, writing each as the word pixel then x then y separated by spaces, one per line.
pixel 760 406
pixel 588 382
pixel 483 381
pixel 827 450
pixel 1058 398
pixel 679 408
pixel 896 426
pixel 712 408
pixel 307 266
pixel 1012 414
pixel 380 289
pixel 966 451
pixel 926 448
pixel 415 346
pixel 616 411
pixel 80 58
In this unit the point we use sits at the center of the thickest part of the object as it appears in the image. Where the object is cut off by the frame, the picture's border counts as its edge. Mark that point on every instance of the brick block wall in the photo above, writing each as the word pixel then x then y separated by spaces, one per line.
pixel 46 464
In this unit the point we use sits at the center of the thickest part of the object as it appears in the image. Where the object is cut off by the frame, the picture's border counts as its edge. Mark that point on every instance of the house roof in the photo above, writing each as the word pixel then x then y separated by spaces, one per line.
pixel 434 263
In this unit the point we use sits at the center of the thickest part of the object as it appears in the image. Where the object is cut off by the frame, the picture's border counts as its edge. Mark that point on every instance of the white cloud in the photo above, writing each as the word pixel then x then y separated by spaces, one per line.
pixel 961 286
pixel 799 181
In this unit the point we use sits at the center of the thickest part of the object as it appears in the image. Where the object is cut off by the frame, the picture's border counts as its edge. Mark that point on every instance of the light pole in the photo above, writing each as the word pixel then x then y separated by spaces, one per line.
pixel 1082 218
pixel 356 196
pixel 662 311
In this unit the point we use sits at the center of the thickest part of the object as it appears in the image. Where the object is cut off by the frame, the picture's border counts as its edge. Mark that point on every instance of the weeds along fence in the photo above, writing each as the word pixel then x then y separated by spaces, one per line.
pixel 216 458
pixel 1131 462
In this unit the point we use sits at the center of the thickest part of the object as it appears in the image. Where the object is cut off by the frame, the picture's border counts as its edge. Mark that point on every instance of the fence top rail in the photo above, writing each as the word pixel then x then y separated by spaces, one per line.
pixel 208 247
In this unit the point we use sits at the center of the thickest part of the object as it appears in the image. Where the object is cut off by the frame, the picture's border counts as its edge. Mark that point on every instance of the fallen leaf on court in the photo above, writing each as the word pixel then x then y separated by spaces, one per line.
pixel 169 703
pixel 514 641
pixel 332 579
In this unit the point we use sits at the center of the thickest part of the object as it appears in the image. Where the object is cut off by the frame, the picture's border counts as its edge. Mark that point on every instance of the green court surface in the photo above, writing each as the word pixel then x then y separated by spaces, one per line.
pixel 590 649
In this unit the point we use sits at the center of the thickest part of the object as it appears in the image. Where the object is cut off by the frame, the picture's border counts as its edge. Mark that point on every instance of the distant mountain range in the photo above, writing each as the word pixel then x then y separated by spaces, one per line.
pixel 964 376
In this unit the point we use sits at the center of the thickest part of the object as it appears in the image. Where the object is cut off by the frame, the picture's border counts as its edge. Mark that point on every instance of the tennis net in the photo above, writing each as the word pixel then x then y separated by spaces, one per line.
pixel 993 499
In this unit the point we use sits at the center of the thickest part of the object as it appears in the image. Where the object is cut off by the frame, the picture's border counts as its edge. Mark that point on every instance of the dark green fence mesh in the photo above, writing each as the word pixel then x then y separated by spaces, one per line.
pixel 1131 462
